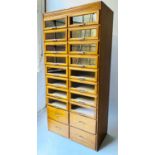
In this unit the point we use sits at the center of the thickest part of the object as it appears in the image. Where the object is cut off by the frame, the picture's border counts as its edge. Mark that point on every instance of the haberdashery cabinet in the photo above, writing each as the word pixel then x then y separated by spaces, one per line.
pixel 77 56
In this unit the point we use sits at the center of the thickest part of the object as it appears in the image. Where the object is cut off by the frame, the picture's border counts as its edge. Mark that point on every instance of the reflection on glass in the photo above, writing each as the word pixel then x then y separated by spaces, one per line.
pixel 83 61
pixel 55 23
pixel 56 35
pixel 55 59
pixel 83 33
pixel 84 47
pixel 56 71
pixel 55 48
pixel 89 18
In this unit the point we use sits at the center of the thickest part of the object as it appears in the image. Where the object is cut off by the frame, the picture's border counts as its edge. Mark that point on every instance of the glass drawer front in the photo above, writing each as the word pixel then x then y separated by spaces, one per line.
pixel 83 75
pixel 57 93
pixel 89 112
pixel 83 87
pixel 56 71
pixel 57 23
pixel 83 61
pixel 83 19
pixel 60 48
pixel 56 60
pixel 57 103
pixel 54 36
pixel 83 47
pixel 56 82
pixel 82 34
pixel 83 99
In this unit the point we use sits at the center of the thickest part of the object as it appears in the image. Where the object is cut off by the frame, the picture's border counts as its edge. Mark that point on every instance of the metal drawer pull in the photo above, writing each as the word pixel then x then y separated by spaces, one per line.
pixel 81 122
pixel 58 127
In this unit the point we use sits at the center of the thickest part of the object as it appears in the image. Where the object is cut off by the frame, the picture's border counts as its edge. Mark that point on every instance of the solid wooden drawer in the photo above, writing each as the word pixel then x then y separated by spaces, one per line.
pixel 58 128
pixel 57 114
pixel 84 123
pixel 83 137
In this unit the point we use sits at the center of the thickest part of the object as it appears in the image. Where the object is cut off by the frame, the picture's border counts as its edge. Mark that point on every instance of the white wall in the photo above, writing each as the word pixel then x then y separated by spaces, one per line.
pixel 53 5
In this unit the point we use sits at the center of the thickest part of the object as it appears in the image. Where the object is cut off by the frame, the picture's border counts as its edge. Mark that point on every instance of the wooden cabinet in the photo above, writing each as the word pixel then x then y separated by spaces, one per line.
pixel 77 53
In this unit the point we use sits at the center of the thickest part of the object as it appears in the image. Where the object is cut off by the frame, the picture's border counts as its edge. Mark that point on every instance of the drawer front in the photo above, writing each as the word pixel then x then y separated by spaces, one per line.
pixel 56 71
pixel 55 23
pixel 57 114
pixel 83 61
pixel 57 103
pixel 55 35
pixel 83 33
pixel 57 82
pixel 83 47
pixel 83 74
pixel 83 99
pixel 83 123
pixel 83 87
pixel 56 60
pixel 57 92
pixel 82 19
pixel 55 47
pixel 58 128
pixel 83 137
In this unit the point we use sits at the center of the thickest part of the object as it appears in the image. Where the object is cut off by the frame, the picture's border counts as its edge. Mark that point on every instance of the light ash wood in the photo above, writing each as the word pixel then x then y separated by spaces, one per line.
pixel 87 130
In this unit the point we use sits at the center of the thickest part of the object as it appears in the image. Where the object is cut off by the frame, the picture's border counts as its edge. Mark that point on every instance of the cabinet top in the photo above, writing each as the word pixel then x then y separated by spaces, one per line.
pixel 87 7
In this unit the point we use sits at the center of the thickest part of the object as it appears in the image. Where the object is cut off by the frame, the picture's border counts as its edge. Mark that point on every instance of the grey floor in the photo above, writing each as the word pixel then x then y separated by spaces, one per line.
pixel 52 144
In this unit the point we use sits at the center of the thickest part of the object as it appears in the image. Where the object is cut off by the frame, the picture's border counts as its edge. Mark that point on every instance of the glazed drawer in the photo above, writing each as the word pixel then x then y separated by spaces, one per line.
pixel 57 92
pixel 83 87
pixel 57 114
pixel 57 71
pixel 57 82
pixel 83 47
pixel 83 99
pixel 51 22
pixel 82 18
pixel 83 74
pixel 55 47
pixel 55 35
pixel 83 137
pixel 83 123
pixel 58 128
pixel 57 102
pixel 83 61
pixel 83 33
pixel 56 60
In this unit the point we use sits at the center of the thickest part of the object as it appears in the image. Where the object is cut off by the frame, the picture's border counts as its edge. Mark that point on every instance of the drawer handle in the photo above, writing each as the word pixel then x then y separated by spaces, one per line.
pixel 82 52
pixel 81 79
pixel 83 66
pixel 81 122
pixel 81 102
pixel 54 52
pixel 58 127
pixel 82 91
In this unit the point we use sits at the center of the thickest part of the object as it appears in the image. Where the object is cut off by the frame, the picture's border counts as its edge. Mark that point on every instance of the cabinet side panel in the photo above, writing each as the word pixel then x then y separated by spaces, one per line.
pixel 106 21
